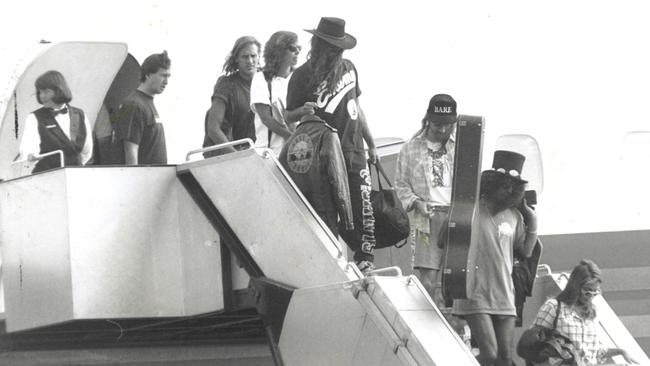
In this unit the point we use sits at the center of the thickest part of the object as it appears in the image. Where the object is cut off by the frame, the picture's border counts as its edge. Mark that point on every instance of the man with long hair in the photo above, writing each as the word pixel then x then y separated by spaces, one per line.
pixel 269 91
pixel 504 224
pixel 329 82
pixel 230 116
pixel 423 183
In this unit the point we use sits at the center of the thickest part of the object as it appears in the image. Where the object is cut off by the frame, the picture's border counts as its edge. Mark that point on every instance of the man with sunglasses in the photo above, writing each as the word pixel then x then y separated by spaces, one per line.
pixel 268 95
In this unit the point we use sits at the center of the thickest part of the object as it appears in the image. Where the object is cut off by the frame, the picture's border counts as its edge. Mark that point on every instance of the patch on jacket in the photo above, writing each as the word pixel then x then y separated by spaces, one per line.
pixel 300 154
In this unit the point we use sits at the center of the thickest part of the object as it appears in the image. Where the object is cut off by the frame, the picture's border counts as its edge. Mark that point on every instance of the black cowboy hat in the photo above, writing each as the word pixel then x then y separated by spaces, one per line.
pixel 332 31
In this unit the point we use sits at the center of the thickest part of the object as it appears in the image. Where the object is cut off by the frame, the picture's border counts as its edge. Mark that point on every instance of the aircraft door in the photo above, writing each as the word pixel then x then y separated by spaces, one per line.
pixel 107 151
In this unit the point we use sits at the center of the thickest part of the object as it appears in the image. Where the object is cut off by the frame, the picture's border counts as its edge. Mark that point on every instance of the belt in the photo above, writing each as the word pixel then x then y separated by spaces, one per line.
pixel 440 208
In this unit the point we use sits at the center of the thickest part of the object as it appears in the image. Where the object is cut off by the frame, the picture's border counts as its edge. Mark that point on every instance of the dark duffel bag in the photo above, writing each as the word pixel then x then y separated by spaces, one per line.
pixel 391 220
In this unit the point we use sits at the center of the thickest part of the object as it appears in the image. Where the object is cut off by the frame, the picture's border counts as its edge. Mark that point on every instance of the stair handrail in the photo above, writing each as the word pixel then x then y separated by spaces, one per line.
pixel 43 156
pixel 247 141
pixel 393 271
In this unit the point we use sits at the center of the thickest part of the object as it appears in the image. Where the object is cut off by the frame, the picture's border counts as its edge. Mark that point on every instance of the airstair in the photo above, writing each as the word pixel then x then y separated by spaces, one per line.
pixel 116 245
pixel 334 315
pixel 204 263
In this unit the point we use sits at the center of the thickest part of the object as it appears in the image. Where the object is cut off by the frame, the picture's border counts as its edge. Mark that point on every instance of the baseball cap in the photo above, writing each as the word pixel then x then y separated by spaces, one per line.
pixel 442 109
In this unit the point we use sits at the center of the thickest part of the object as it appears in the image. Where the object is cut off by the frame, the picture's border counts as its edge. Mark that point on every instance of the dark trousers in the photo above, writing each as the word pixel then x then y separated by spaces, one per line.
pixel 362 239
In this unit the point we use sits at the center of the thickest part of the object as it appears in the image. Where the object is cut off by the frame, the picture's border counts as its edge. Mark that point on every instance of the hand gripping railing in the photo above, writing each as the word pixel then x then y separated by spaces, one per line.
pixel 220 146
pixel 43 156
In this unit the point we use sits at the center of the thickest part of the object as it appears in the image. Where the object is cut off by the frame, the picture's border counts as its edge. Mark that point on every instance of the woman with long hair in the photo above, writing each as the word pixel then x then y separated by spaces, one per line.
pixel 577 316
pixel 230 117
pixel 56 126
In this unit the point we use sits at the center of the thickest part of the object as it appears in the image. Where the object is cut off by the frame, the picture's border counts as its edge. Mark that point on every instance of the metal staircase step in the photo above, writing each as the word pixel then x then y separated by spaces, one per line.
pixel 637 325
pixel 626 279
pixel 625 303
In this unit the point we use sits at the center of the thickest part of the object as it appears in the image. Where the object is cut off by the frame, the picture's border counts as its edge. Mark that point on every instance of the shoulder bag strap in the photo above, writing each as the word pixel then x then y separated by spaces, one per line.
pixel 370 166
pixel 557 314
pixel 270 110
pixel 269 78
pixel 383 174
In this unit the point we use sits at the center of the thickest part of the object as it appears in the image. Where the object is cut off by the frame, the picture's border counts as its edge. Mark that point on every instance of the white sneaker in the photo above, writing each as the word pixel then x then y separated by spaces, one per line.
pixel 366 267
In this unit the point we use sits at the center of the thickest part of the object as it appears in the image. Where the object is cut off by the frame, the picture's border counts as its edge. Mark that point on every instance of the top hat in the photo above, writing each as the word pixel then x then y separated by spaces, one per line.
pixel 509 163
pixel 442 109
pixel 332 30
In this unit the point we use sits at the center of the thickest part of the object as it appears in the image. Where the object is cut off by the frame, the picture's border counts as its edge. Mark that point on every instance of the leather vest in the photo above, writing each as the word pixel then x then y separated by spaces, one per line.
pixel 53 138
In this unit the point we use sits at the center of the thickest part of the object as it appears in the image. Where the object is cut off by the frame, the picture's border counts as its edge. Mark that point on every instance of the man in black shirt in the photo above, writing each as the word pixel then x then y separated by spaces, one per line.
pixel 137 122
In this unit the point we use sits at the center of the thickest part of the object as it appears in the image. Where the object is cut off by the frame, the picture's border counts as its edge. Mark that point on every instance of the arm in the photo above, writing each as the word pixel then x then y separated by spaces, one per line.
pixel 30 142
pixel 264 112
pixel 530 221
pixel 263 105
pixel 611 352
pixel 546 314
pixel 294 115
pixel 215 120
pixel 129 129
pixel 367 136
pixel 338 179
pixel 297 105
pixel 131 153
pixel 403 174
pixel 87 150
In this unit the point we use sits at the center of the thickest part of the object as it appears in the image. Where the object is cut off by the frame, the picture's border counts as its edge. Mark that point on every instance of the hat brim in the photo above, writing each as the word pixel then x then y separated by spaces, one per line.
pixel 496 172
pixel 346 42
pixel 446 119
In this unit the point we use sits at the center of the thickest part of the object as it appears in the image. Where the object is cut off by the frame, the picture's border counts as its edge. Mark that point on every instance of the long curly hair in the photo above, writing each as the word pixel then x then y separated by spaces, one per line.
pixel 326 62
pixel 586 271
pixel 230 66
pixel 491 181
pixel 275 49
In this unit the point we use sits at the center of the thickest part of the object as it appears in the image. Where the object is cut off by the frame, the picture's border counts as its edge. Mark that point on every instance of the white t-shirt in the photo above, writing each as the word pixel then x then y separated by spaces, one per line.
pixel 260 94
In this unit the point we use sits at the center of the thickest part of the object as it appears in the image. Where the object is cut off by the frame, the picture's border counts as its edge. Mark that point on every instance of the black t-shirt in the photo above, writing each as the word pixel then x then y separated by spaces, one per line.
pixel 339 108
pixel 238 119
pixel 137 121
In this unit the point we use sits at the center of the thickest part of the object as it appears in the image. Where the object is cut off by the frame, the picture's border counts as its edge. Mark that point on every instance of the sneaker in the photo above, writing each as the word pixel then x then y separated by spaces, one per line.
pixel 366 267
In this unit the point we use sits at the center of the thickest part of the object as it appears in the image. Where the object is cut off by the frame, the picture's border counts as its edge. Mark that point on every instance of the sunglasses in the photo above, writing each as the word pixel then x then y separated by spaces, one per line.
pixel 591 293
pixel 294 48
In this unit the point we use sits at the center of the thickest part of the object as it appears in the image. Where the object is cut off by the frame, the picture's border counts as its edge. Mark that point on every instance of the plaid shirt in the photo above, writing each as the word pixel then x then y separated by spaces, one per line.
pixel 423 172
pixel 582 332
